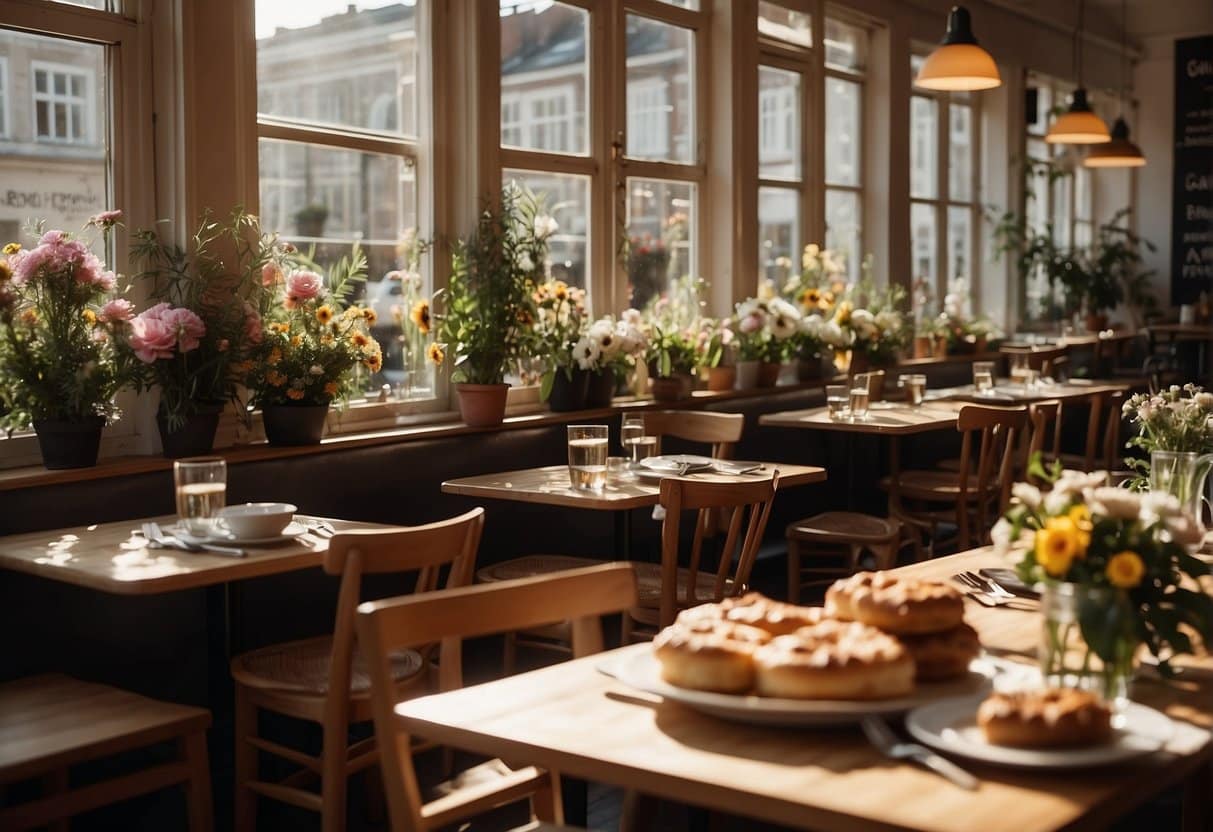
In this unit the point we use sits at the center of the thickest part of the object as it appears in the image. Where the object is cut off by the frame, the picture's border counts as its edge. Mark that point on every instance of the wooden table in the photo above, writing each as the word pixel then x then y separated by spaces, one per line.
pixel 114 557
pixel 1008 394
pixel 1199 334
pixel 550 485
pixel 573 719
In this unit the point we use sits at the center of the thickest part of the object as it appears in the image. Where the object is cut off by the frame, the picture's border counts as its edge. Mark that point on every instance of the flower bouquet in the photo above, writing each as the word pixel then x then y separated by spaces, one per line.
pixel 767 329
pixel 878 327
pixel 1175 427
pixel 312 347
pixel 196 342
pixel 715 344
pixel 1115 571
pixel 411 314
pixel 60 324
pixel 558 326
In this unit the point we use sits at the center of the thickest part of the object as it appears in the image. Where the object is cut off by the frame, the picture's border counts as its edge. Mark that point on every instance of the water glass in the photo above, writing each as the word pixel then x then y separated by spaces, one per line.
pixel 636 444
pixel 860 396
pixel 915 385
pixel 201 490
pixel 588 457
pixel 837 400
pixel 1019 369
pixel 983 377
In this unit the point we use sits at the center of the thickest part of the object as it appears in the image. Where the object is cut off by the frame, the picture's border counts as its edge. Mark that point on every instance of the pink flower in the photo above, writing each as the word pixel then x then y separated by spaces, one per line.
pixel 271 274
pixel 53 237
pixel 117 310
pixel 151 337
pixel 750 323
pixel 187 326
pixel 106 219
pixel 302 285
pixel 58 253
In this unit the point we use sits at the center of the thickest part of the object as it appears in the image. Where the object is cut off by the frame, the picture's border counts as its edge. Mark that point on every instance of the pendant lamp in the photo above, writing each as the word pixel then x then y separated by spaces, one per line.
pixel 1120 152
pixel 1078 124
pixel 958 63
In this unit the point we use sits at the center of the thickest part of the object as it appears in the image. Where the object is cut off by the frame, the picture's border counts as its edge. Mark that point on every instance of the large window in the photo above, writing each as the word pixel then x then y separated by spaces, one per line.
pixel 846 49
pixel 943 190
pixel 4 95
pixel 340 137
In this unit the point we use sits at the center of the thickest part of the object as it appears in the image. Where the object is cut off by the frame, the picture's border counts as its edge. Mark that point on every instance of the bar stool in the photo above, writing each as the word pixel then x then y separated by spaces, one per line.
pixel 50 723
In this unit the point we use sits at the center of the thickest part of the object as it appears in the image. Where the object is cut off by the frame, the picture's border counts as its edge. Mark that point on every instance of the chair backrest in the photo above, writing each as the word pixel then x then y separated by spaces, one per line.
pixel 720 430
pixel 734 499
pixel 1044 430
pixel 1103 430
pixel 422 549
pixel 997 428
pixel 1043 359
pixel 579 595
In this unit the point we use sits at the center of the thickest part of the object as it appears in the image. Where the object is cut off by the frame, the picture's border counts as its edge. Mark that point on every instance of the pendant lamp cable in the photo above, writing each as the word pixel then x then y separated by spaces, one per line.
pixel 1078 45
pixel 1124 55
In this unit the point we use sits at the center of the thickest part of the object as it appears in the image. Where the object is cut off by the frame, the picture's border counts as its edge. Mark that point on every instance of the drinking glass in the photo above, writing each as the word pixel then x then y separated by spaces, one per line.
pixel 860 396
pixel 915 385
pixel 837 400
pixel 201 487
pixel 1019 369
pixel 635 443
pixel 983 377
pixel 588 457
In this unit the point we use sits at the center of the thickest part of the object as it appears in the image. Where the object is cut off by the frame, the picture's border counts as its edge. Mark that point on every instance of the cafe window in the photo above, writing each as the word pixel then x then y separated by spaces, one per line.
pixel 4 95
pixel 846 48
pixel 63 103
pixel 340 138
pixel 943 191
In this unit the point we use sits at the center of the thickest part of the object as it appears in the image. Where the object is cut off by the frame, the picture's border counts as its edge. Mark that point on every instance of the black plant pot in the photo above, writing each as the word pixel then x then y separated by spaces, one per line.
pixel 600 389
pixel 568 393
pixel 69 444
pixel 294 424
pixel 196 437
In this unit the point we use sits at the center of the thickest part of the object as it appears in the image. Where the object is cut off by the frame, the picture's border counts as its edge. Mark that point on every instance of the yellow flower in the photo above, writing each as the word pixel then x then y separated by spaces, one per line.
pixel 296 340
pixel 374 363
pixel 843 314
pixel 560 290
pixel 420 316
pixel 275 378
pixel 359 339
pixel 324 313
pixel 294 393
pixel 1058 544
pixel 29 317
pixel 810 298
pixel 326 339
pixel 330 389
pixel 12 248
pixel 281 328
pixel 369 316
pixel 435 354
pixel 275 357
pixel 1081 517
pixel 90 316
pixel 6 271
pixel 1125 569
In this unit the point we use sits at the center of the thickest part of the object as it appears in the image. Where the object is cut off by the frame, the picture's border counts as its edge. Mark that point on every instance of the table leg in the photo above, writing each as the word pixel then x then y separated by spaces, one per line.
pixel 574 797
pixel 1198 799
pixel 623 535
pixel 222 628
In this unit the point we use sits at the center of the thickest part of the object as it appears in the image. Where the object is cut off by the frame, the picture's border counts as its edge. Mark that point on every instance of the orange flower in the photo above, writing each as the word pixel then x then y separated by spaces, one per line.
pixel 29 317
pixel 275 378
pixel 275 357
pixel 296 340
pixel 374 363
pixel 359 339
pixel 420 316
pixel 294 393
pixel 370 316
pixel 324 314
pixel 330 389
pixel 90 316
pixel 435 354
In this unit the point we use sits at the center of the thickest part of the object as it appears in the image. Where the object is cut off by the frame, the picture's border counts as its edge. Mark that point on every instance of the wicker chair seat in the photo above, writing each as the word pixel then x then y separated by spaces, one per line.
pixel 529 566
pixel 303 667
pixel 844 527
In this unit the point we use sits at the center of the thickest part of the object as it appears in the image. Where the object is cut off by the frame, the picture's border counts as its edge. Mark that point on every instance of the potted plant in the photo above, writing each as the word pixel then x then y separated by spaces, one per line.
pixel 1117 253
pixel 411 315
pixel 557 335
pixel 310 219
pixel 1115 574
pixel 60 323
pixel 714 342
pixel 753 335
pixel 671 357
pixel 196 341
pixel 879 328
pixel 312 343
pixel 486 301
pixel 623 344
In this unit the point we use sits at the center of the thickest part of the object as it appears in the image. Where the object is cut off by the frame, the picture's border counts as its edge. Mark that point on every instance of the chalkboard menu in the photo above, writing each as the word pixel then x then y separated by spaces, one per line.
pixel 1192 189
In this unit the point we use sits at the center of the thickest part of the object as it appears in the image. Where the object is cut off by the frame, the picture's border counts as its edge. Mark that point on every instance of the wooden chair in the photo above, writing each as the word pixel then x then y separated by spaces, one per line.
pixel 50 723
pixel 1102 448
pixel 326 680
pixel 975 494
pixel 581 596
pixel 720 431
pixel 667 588
pixel 835 541
pixel 1044 434
pixel 1047 360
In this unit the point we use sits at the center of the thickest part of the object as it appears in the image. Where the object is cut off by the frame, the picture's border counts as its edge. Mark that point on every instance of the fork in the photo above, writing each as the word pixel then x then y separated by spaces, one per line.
pixel 979 592
pixel 158 539
pixel 992 587
pixel 882 737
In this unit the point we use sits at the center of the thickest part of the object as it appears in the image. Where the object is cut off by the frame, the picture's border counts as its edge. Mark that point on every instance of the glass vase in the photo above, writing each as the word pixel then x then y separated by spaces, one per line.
pixel 1182 474
pixel 1088 640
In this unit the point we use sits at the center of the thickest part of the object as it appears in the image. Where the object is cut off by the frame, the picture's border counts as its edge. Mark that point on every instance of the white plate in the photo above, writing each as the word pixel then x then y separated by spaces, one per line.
pixel 951 726
pixel 642 671
pixel 673 463
pixel 292 530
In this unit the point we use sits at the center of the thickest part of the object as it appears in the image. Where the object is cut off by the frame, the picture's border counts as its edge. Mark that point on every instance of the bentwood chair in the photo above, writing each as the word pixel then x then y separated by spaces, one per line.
pixel 973 496
pixel 666 588
pixel 580 596
pixel 1102 447
pixel 719 431
pixel 327 681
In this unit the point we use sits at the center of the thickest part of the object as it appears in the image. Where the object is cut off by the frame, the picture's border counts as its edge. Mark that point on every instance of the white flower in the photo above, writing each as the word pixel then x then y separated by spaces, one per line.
pixel 766 290
pixel 864 323
pixel 545 226
pixel 525 263
pixel 1000 536
pixel 1184 530
pixel 1027 494
pixel 587 353
pixel 632 317
pixel 1110 501
pixel 1057 502
pixel 1159 505
pixel 888 321
pixel 316 370
pixel 1071 483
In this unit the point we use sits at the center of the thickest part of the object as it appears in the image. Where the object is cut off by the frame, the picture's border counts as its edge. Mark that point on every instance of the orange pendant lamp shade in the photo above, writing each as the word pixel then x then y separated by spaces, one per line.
pixel 1078 124
pixel 1118 153
pixel 958 63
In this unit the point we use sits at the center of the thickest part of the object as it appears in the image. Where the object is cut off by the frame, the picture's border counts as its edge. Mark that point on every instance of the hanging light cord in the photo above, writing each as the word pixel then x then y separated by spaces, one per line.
pixel 1124 55
pixel 1078 45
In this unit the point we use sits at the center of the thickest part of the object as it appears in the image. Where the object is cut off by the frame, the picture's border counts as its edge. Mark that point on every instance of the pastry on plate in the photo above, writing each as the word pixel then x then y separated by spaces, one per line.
pixel 711 655
pixel 834 660
pixel 944 655
pixel 1048 718
pixel 896 603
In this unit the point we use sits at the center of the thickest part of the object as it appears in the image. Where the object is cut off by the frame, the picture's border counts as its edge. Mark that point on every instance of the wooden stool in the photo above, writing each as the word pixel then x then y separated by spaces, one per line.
pixel 50 723
pixel 845 535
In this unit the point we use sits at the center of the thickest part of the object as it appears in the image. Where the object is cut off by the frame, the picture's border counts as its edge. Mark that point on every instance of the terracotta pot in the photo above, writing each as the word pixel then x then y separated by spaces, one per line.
pixel 924 346
pixel 768 373
pixel 568 390
pixel 747 375
pixel 69 444
pixel 811 368
pixel 941 346
pixel 294 424
pixel 721 378
pixel 600 389
pixel 981 344
pixel 482 405
pixel 194 438
pixel 672 388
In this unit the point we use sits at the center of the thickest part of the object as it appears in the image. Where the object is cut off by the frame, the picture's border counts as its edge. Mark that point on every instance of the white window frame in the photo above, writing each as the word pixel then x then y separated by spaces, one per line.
pixel 417 153
pixel 51 98
pixel 5 95
pixel 649 126
pixel 859 78
pixel 130 185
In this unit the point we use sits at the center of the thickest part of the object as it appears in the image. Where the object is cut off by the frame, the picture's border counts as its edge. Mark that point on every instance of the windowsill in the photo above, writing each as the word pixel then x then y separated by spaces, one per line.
pixel 519 417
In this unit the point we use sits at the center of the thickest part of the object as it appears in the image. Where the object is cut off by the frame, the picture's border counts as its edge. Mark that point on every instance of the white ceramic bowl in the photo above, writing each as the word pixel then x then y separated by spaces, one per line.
pixel 255 520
